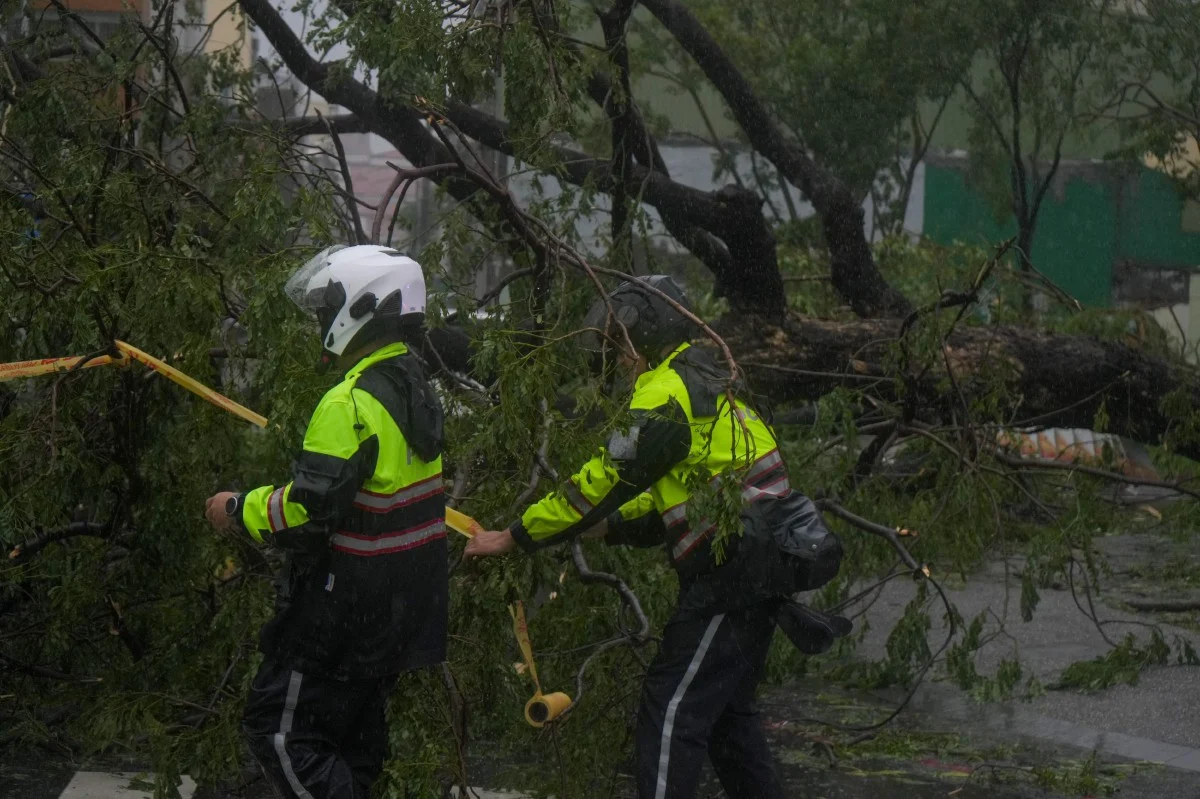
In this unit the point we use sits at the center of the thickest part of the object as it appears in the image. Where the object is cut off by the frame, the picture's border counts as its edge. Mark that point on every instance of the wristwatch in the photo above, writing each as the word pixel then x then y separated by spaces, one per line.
pixel 233 505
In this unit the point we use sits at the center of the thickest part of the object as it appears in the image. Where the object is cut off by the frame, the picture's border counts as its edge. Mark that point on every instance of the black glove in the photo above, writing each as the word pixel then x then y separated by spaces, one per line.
pixel 811 631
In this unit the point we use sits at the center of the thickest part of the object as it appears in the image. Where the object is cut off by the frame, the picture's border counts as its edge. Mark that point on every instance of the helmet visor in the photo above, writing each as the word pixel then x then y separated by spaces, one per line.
pixel 300 290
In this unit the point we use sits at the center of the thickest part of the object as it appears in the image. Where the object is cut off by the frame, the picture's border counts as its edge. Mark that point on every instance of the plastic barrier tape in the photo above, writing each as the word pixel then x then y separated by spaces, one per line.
pixel 542 708
pixel 45 366
pixel 462 523
pixel 173 374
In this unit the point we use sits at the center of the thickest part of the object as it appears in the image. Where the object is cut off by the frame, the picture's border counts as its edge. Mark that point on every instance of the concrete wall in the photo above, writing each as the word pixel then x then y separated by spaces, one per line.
pixel 228 30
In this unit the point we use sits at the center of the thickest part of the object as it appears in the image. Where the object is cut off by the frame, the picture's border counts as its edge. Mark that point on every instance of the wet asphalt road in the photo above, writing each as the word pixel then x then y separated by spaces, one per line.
pixel 1158 719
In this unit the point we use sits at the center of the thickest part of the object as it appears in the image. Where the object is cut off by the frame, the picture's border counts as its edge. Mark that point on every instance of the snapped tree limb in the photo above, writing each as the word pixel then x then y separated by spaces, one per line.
pixel 726 228
pixel 1048 379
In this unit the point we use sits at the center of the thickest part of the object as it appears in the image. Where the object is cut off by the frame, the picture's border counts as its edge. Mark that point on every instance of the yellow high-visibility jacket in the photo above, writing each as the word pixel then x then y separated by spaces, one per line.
pixel 639 482
pixel 363 524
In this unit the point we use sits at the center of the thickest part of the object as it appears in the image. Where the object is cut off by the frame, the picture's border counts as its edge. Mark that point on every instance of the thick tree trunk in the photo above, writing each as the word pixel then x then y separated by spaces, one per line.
pixel 1051 379
pixel 726 229
pixel 855 274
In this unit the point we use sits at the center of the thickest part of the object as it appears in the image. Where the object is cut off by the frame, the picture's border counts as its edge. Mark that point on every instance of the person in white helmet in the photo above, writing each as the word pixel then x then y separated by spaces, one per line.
pixel 363 595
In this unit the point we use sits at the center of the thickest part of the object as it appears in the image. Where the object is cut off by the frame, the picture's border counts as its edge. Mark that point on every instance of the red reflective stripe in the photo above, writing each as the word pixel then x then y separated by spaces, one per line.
pixel 675 514
pixel 402 547
pixel 762 466
pixel 770 475
pixel 767 486
pixel 389 543
pixel 275 516
pixel 690 541
pixel 383 503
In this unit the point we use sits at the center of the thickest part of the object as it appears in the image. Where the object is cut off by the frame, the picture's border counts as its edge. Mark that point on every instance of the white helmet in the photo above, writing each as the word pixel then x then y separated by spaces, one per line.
pixel 354 292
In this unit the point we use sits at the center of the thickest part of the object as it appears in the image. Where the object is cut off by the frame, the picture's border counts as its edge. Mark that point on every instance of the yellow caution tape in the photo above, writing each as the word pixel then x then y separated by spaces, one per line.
pixel 45 366
pixel 462 523
pixel 542 708
pixel 194 386
pixel 521 630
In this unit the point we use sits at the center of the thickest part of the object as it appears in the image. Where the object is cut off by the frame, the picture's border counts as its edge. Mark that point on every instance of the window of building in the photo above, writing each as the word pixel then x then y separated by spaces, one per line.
pixel 105 24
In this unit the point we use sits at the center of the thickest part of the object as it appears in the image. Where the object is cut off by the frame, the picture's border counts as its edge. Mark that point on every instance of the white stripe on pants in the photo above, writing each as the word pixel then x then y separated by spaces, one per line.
pixel 664 752
pixel 285 726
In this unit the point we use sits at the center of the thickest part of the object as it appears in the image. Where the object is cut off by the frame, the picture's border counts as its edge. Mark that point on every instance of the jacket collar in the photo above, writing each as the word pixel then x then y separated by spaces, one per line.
pixel 381 354
pixel 650 374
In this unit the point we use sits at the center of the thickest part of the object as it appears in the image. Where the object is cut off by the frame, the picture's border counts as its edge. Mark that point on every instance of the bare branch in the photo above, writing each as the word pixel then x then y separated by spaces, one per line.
pixel 353 201
pixel 629 600
pixel 42 540
pixel 1030 463
pixel 889 534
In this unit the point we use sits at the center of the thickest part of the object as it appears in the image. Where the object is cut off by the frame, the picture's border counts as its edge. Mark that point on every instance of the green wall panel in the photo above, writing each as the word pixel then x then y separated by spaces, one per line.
pixel 1098 215
pixel 1152 231
pixel 1073 244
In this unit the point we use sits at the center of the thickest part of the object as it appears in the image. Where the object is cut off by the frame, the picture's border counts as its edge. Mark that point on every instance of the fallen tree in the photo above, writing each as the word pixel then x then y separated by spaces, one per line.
pixel 725 230
pixel 157 217
pixel 1048 379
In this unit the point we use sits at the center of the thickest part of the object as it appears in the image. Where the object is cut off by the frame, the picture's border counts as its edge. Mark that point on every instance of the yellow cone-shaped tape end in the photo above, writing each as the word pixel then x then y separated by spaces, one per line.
pixel 545 708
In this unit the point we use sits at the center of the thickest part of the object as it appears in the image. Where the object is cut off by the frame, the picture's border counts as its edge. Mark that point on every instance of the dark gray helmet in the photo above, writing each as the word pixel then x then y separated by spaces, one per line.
pixel 653 324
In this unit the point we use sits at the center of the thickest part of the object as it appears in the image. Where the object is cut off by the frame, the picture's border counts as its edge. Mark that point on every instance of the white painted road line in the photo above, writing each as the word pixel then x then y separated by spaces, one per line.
pixel 116 785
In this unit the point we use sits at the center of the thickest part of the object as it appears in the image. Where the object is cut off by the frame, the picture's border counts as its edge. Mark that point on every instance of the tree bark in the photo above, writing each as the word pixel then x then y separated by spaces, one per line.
pixel 749 276
pixel 1051 379
pixel 619 108
pixel 855 275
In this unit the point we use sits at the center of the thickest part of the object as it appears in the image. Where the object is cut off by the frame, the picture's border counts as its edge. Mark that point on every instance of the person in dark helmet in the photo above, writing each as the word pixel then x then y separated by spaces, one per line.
pixel 363 595
pixel 698 696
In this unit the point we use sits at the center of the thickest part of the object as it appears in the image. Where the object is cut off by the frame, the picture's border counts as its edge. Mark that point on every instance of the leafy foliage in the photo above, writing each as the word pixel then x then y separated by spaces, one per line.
pixel 168 219
pixel 847 80
pixel 1123 663
pixel 134 213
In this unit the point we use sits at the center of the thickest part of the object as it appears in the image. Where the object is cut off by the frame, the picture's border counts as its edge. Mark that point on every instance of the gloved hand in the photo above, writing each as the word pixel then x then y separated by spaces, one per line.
pixel 811 631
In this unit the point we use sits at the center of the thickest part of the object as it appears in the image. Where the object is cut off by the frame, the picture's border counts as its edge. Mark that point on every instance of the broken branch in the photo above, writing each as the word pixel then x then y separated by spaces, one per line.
pixel 889 534
pixel 73 530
